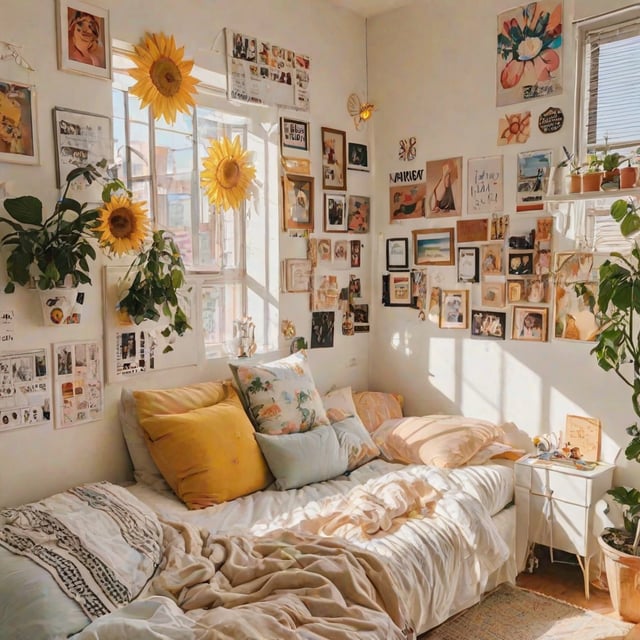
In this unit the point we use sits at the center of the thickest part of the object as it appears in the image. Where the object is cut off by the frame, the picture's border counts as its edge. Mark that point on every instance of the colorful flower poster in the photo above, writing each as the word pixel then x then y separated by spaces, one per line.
pixel 529 60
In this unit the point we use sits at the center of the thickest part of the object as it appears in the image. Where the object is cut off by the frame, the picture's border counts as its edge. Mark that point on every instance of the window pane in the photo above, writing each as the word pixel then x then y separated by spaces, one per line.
pixel 139 149
pixel 135 113
pixel 221 305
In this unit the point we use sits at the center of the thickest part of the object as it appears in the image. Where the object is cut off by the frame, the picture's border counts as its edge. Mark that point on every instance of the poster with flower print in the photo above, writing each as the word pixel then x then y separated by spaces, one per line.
pixel 529 61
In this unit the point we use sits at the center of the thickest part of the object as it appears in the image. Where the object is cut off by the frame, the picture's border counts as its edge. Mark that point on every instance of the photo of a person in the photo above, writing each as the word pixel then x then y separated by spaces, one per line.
pixel 529 324
pixel 86 38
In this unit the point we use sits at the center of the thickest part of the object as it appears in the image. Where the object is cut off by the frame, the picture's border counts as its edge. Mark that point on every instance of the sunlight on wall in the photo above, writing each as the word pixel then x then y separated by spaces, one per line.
pixel 526 389
pixel 443 368
pixel 482 391
pixel 401 343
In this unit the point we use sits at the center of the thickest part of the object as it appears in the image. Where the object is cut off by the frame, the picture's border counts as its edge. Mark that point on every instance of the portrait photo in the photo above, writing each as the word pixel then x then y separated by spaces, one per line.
pixel 18 135
pixel 334 157
pixel 359 214
pixel 530 323
pixel 335 212
pixel 454 309
pixel 358 157
pixel 84 40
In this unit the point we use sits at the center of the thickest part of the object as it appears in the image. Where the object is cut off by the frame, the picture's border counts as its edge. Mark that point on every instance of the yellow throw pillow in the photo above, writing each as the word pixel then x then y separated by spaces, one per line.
pixel 207 454
pixel 374 407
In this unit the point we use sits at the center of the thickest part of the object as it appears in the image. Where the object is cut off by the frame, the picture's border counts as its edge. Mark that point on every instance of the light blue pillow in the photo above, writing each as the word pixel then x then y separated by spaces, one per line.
pixel 280 396
pixel 296 459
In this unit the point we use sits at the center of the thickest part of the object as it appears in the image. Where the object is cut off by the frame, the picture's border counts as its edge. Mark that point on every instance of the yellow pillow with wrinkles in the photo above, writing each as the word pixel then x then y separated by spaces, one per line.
pixel 207 454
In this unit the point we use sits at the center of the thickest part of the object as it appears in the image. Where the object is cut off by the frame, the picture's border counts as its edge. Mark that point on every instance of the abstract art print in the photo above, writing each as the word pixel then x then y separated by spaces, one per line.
pixel 444 187
pixel 529 53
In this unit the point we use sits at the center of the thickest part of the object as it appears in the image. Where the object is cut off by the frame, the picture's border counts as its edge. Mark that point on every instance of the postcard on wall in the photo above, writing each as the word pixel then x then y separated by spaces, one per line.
pixel 529 57
pixel 19 142
pixel 79 388
pixel 25 389
pixel 485 185
pixel 533 177
pixel 444 187
pixel 582 435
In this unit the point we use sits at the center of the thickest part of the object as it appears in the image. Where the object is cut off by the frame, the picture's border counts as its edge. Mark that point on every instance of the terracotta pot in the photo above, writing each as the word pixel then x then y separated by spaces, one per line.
pixel 628 177
pixel 611 180
pixel 575 183
pixel 592 181
pixel 623 578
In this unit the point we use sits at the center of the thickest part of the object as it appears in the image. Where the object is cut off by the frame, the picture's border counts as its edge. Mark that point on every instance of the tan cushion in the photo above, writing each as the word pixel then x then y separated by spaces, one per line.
pixel 436 440
pixel 207 454
pixel 374 407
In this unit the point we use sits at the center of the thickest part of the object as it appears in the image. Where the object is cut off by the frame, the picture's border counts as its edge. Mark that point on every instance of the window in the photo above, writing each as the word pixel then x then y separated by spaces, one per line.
pixel 609 83
pixel 231 257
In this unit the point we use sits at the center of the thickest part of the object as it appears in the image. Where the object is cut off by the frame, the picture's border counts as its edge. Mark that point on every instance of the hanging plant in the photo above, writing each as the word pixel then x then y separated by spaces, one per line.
pixel 164 79
pixel 227 173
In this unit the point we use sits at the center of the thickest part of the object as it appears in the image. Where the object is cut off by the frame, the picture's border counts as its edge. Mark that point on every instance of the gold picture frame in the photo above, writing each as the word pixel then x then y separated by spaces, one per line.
pixel 297 202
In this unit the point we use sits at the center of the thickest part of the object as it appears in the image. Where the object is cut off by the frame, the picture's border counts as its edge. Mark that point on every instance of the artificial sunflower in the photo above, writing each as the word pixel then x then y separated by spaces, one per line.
pixel 164 79
pixel 227 173
pixel 123 224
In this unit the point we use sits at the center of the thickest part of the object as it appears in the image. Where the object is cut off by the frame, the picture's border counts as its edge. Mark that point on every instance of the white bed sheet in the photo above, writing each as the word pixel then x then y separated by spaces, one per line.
pixel 442 563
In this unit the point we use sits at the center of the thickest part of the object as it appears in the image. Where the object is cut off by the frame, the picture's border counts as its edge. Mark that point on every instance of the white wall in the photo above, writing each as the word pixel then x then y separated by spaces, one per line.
pixel 432 68
pixel 37 461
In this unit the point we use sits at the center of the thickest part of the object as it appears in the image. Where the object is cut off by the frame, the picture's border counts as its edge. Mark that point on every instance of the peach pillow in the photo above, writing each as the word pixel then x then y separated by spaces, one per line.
pixel 436 440
pixel 374 407
pixel 207 454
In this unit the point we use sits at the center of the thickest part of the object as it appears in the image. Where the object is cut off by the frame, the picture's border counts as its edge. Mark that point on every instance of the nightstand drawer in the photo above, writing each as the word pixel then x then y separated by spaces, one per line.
pixel 566 528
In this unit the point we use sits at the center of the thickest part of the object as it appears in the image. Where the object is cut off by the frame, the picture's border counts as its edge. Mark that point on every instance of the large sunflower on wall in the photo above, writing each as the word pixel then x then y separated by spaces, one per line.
pixel 123 225
pixel 227 173
pixel 164 79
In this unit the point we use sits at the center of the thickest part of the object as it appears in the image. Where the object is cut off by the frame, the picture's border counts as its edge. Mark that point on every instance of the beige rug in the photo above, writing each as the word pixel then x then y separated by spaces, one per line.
pixel 511 613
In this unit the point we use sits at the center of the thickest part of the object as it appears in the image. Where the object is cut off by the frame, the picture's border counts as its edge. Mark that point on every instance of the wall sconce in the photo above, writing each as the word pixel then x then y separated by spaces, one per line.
pixel 360 111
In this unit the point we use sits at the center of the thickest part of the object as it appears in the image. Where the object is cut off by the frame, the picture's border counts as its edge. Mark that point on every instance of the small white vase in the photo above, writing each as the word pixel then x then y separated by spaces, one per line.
pixel 61 306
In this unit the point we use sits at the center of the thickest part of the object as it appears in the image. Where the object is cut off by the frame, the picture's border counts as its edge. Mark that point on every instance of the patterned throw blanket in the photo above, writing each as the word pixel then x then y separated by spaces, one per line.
pixel 98 543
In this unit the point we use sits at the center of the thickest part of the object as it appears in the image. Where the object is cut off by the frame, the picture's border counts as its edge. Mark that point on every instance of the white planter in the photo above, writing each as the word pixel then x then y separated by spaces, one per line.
pixel 623 578
pixel 61 306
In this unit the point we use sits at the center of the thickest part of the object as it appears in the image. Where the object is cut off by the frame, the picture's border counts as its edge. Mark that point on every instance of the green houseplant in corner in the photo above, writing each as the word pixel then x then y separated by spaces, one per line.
pixel 617 349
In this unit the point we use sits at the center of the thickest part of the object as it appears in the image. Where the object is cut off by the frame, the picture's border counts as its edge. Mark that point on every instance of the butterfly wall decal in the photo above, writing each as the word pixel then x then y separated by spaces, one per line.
pixel 407 149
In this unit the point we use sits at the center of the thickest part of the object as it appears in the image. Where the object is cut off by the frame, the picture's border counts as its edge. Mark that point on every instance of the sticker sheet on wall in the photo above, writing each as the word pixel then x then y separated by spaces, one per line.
pixel 529 61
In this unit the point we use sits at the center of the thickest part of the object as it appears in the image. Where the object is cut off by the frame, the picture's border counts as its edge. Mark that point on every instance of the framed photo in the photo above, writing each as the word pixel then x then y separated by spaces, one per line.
pixel 297 275
pixel 397 253
pixel 533 176
pixel 468 264
pixel 297 192
pixel 472 230
pixel 356 253
pixel 491 259
pixel 80 139
pixel 516 291
pixel 358 157
pixel 433 246
pixel 84 41
pixel 334 159
pixel 454 309
pixel 18 115
pixel 521 263
pixel 294 134
pixel 493 294
pixel 488 324
pixel 530 323
pixel 335 212
pixel 573 266
pixel 359 214
pixel 400 289
pixel 574 317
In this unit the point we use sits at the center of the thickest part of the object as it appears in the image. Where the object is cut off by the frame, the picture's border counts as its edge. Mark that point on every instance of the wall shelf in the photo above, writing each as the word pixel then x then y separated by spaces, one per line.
pixel 612 194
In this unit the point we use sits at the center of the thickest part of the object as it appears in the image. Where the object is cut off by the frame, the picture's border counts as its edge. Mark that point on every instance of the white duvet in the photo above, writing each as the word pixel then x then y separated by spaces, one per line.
pixel 442 560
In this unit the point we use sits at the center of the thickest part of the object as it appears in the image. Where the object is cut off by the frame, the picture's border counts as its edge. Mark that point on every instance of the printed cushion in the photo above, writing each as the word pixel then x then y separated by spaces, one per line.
pixel 281 396
pixel 72 558
pixel 338 404
pixel 436 440
pixel 209 454
pixel 297 459
pixel 374 407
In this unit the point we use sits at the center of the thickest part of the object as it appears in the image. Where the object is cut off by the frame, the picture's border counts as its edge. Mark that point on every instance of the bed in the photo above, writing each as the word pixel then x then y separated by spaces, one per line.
pixel 366 524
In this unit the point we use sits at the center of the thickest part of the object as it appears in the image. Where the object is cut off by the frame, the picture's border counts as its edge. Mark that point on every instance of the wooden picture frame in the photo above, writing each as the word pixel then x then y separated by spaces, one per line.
pixel 21 120
pixel 84 38
pixel 472 230
pixel 520 263
pixel 400 289
pixel 491 259
pixel 297 202
pixel 530 324
pixel 454 309
pixel 492 293
pixel 297 275
pixel 294 134
pixel 81 138
pixel 358 157
pixel 488 324
pixel 433 246
pixel 583 434
pixel 335 212
pixel 334 159
pixel 468 264
pixel 359 211
pixel 397 254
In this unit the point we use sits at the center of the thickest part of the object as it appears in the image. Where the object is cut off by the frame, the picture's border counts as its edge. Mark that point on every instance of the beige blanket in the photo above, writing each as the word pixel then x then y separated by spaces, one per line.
pixel 280 586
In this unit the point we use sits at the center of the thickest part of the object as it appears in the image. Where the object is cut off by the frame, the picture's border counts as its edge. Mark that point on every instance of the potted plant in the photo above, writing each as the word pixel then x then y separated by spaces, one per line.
pixel 154 285
pixel 629 175
pixel 617 349
pixel 592 177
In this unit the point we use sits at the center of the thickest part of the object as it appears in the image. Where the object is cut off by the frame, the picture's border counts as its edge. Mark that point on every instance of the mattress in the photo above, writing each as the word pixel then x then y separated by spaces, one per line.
pixel 442 562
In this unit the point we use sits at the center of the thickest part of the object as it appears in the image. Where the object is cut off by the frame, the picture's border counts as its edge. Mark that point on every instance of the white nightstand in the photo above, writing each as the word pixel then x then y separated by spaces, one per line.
pixel 554 507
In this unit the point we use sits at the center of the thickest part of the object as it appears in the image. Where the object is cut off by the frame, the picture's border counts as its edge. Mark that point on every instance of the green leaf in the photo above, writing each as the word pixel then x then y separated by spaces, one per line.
pixel 25 209
pixel 630 224
pixel 618 210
